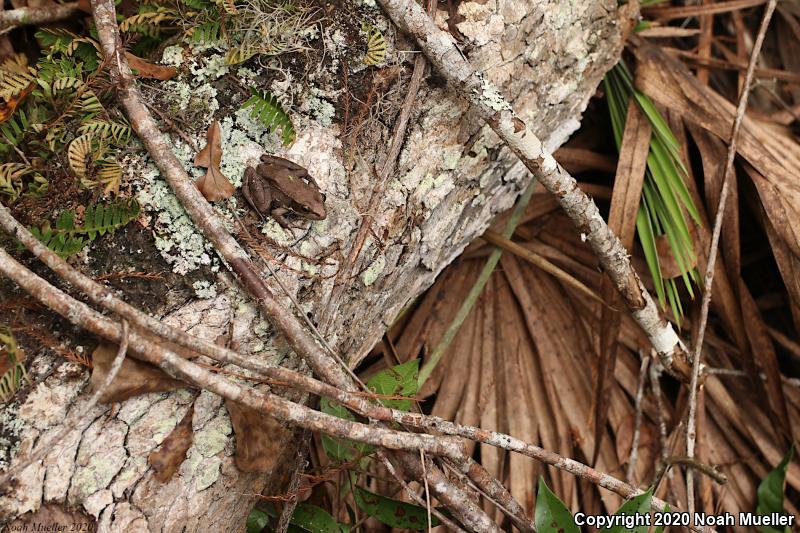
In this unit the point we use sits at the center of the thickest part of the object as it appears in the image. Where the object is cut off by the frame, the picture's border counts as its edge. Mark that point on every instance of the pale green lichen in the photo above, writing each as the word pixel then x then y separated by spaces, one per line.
pixel 204 289
pixel 11 427
pixel 211 440
pixel 320 109
pixel 209 68
pixel 374 270
pixel 491 97
pixel 96 475
pixel 207 473
pixel 172 56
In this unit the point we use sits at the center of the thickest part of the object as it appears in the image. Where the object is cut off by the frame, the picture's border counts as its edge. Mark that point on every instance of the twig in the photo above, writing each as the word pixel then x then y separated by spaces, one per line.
pixel 691 429
pixel 694 464
pixel 414 496
pixel 637 421
pixel 77 417
pixel 294 484
pixel 532 257
pixel 106 298
pixel 427 492
pixel 34 16
pixel 795 382
pixel 146 349
pixel 486 100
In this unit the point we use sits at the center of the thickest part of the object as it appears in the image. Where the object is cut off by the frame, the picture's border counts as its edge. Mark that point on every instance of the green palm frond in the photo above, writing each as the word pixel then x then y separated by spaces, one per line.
pixel 666 199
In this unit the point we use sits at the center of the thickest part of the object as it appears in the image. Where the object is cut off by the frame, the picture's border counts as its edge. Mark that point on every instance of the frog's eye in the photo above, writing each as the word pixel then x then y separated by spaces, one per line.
pixel 306 209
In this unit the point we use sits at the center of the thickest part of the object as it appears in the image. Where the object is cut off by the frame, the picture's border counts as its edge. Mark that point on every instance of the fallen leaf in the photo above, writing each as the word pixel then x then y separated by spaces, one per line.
pixel 214 185
pixel 146 69
pixel 134 378
pixel 167 459
pixel 259 438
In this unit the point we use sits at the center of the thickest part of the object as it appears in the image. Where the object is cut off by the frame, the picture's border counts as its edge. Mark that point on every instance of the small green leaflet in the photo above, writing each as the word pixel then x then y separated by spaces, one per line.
pixel 770 492
pixel 660 529
pixel 552 516
pixel 316 520
pixel 393 513
pixel 256 520
pixel 638 505
pixel 400 380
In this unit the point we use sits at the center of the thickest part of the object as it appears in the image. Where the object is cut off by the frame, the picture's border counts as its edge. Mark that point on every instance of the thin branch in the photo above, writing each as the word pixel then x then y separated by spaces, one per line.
pixel 440 48
pixel 693 464
pixel 708 280
pixel 78 417
pixel 34 16
pixel 427 492
pixel 637 421
pixel 146 349
pixel 414 496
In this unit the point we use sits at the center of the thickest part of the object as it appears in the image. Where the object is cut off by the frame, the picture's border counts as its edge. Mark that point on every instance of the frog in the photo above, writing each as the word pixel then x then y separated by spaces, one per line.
pixel 277 186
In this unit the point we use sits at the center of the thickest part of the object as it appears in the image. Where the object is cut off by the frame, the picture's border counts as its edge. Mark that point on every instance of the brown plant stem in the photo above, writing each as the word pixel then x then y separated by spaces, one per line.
pixel 708 279
pixel 34 16
pixel 440 48
pixel 147 350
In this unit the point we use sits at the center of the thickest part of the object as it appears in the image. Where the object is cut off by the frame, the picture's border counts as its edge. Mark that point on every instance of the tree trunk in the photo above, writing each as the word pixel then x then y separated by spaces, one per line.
pixel 453 176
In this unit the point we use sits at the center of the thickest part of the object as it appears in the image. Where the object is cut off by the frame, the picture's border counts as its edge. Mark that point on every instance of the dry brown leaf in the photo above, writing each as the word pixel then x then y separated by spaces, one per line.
pixel 214 185
pixel 259 438
pixel 168 458
pixel 134 378
pixel 145 69
pixel 622 221
pixel 51 517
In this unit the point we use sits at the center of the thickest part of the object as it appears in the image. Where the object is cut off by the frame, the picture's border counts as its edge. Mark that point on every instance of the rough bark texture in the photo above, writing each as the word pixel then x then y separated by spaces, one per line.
pixel 453 176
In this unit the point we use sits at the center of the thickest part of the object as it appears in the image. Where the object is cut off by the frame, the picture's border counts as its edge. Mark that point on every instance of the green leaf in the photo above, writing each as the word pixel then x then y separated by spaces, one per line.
pixel 316 520
pixel 552 516
pixel 393 513
pixel 256 520
pixel 638 505
pixel 770 492
pixel 269 112
pixel 400 380
pixel 660 529
pixel 336 448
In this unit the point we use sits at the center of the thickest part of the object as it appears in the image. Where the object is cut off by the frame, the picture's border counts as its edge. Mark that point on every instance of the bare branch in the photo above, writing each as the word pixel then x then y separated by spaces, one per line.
pixel 33 16
pixel 492 107
pixel 708 280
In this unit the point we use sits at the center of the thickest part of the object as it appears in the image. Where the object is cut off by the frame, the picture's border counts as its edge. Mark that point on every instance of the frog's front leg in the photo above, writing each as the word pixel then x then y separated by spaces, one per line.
pixel 277 213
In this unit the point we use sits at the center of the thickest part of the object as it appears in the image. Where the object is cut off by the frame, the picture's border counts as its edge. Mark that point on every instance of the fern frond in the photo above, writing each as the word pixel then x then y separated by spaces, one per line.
pixel 269 112
pixel 110 176
pixel 206 33
pixel 228 5
pixel 79 150
pixel 149 22
pixel 199 5
pixel 16 63
pixel 376 45
pixel 66 239
pixel 65 84
pixel 13 83
pixel 106 129
pixel 239 54
pixel 11 175
pixel 89 104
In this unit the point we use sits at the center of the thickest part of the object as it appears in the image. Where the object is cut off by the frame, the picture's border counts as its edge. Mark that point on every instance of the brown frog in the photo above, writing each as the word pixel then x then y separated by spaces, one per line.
pixel 277 186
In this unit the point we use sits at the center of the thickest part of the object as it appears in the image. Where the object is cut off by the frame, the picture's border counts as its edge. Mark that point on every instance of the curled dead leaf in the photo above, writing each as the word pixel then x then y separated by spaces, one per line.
pixel 167 459
pixel 145 69
pixel 214 185
pixel 259 438
pixel 134 378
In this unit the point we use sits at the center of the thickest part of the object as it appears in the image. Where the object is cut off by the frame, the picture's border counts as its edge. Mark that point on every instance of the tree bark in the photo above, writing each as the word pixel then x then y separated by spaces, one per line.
pixel 453 176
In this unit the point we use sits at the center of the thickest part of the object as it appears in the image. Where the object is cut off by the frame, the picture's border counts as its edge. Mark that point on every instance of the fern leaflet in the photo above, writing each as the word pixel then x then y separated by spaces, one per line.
pixel 269 112
pixel 66 239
